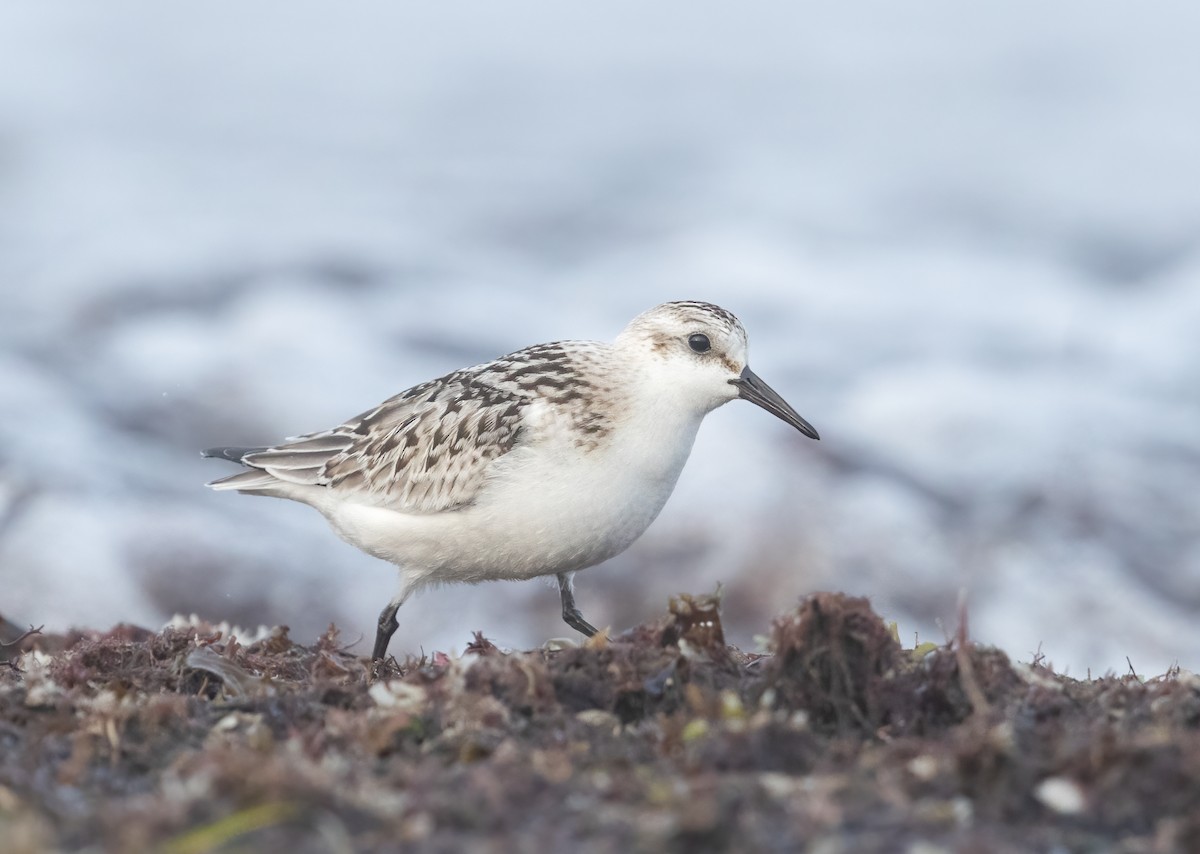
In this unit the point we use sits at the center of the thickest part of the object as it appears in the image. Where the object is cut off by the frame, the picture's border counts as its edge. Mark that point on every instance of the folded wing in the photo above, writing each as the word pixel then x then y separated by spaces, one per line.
pixel 423 451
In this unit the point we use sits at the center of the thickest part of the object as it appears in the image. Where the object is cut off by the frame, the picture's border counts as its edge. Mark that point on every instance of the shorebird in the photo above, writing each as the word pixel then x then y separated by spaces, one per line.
pixel 546 461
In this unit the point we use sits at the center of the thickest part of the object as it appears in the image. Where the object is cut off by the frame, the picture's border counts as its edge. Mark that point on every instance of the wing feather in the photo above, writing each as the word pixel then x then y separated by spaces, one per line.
pixel 423 451
pixel 431 448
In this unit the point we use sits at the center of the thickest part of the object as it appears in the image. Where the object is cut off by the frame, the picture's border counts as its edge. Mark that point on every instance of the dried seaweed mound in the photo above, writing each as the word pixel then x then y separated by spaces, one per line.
pixel 662 738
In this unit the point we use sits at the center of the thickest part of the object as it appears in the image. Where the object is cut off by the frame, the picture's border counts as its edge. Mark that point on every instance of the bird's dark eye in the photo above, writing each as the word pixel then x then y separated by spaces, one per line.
pixel 699 342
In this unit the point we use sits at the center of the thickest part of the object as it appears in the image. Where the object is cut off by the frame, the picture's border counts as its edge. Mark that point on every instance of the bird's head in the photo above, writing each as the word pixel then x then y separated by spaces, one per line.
pixel 696 351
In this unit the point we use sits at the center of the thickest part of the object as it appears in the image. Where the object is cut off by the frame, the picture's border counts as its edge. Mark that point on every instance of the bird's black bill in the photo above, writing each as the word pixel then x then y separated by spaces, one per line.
pixel 753 389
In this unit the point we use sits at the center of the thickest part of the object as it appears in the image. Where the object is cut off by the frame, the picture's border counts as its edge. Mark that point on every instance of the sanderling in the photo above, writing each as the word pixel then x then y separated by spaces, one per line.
pixel 543 462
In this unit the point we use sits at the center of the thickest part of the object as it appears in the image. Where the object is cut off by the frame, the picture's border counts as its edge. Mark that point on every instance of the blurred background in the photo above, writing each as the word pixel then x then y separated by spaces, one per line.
pixel 965 242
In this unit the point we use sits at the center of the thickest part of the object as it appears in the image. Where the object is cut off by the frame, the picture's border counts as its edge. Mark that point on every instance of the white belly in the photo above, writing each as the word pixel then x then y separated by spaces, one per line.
pixel 546 509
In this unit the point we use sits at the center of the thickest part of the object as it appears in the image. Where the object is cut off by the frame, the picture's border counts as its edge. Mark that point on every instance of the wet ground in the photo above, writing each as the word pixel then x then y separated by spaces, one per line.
pixel 663 738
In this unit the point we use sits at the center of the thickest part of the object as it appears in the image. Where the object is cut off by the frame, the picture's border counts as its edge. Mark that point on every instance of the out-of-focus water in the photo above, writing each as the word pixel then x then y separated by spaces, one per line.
pixel 965 242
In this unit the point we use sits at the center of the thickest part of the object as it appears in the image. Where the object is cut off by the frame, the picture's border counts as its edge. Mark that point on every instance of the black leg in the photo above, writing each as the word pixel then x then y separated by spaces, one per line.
pixel 571 614
pixel 387 628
